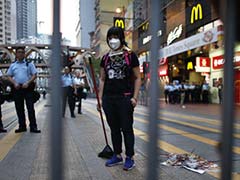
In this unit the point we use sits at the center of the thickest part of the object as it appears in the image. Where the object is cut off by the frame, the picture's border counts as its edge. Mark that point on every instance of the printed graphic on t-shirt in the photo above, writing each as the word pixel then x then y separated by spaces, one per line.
pixel 116 69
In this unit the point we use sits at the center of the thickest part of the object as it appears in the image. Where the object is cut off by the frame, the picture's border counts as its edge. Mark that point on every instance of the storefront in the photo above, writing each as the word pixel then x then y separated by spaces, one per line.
pixel 193 67
pixel 217 63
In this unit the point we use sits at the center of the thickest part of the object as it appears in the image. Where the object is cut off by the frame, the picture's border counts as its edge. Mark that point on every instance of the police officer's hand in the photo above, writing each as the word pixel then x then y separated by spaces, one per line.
pixel 25 85
pixel 16 86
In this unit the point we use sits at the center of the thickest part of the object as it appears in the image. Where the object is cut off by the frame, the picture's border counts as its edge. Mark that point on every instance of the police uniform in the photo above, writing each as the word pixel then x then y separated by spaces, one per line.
pixel 21 72
pixel 205 93
pixel 67 89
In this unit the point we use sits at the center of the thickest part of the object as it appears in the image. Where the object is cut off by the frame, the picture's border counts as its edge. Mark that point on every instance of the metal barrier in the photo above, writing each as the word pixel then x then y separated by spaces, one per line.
pixel 229 15
pixel 56 139
pixel 152 166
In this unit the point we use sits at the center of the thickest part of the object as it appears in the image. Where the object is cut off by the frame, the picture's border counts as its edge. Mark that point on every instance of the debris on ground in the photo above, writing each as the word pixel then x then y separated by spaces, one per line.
pixel 191 162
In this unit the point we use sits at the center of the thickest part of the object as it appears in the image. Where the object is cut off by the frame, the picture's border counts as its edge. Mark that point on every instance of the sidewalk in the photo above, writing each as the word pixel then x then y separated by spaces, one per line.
pixel 83 139
pixel 29 158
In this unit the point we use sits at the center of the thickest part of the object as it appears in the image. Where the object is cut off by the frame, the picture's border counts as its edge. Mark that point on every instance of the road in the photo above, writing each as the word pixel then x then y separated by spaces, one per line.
pixel 193 130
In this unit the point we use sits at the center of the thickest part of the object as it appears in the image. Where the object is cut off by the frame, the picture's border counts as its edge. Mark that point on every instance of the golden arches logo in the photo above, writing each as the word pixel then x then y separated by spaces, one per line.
pixel 119 23
pixel 196 13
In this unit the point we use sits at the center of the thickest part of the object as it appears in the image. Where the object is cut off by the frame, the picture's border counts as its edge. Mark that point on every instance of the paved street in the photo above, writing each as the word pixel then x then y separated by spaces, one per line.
pixel 195 129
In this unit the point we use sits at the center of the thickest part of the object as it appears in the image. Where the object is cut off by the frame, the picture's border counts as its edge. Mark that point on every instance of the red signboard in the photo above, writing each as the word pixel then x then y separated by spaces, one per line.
pixel 218 61
pixel 163 70
pixel 202 64
pixel 203 61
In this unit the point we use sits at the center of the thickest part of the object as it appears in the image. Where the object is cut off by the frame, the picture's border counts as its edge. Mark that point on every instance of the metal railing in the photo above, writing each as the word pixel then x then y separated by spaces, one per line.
pixel 152 165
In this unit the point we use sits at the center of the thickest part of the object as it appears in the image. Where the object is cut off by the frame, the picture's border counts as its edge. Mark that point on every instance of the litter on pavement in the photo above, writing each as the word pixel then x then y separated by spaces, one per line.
pixel 190 162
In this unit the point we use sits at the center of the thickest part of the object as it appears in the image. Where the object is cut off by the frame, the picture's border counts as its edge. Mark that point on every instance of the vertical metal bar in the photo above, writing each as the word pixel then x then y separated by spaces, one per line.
pixel 152 164
pixel 56 134
pixel 228 94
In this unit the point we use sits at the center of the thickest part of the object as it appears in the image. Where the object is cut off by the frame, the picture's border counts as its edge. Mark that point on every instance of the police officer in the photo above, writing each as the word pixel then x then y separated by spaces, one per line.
pixel 22 75
pixel 68 91
pixel 205 92
pixel 2 130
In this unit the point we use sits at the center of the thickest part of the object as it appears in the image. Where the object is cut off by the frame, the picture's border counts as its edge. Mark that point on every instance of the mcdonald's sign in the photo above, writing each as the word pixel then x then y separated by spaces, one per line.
pixel 196 13
pixel 119 22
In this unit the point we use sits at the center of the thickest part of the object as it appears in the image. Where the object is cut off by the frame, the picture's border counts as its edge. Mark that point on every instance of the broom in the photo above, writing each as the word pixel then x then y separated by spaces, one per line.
pixel 107 152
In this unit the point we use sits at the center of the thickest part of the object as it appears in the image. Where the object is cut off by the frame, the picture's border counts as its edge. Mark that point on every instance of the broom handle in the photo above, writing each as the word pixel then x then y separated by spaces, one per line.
pixel 98 101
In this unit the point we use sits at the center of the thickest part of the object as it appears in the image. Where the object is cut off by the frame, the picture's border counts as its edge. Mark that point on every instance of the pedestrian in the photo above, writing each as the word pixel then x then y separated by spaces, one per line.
pixel 22 75
pixel 79 85
pixel 166 92
pixel 120 82
pixel 68 92
pixel 220 90
pixel 2 130
pixel 182 94
pixel 44 94
pixel 205 92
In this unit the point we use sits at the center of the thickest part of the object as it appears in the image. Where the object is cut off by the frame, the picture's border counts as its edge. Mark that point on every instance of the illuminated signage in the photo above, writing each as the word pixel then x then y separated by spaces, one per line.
pixel 218 61
pixel 119 22
pixel 189 66
pixel 176 33
pixel 147 39
pixel 163 70
pixel 202 64
pixel 145 26
pixel 196 13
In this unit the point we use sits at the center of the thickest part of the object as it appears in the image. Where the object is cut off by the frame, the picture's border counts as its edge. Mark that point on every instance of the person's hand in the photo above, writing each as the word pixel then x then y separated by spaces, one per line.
pixel 16 86
pixel 134 102
pixel 75 92
pixel 25 85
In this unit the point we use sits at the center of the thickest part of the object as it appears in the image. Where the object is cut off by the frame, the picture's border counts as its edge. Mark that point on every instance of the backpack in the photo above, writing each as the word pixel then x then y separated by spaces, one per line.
pixel 127 57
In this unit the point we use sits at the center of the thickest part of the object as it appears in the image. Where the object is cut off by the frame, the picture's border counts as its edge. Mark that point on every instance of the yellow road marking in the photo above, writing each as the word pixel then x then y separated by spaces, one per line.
pixel 192 118
pixel 189 135
pixel 197 126
pixel 173 149
pixel 199 119
pixel 8 141
pixel 236 135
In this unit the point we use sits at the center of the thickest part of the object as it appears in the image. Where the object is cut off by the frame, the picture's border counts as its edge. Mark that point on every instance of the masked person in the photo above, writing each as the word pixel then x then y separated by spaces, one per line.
pixel 22 75
pixel 119 86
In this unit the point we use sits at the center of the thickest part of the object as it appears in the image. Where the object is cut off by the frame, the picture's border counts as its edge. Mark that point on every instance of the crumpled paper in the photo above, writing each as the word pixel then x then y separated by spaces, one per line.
pixel 190 162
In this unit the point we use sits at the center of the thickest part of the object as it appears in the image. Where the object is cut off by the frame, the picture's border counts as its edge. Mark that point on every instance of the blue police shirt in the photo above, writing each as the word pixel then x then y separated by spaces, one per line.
pixel 67 80
pixel 21 72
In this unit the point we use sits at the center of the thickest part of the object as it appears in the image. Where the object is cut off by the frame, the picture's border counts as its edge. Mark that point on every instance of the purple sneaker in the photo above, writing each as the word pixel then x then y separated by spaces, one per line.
pixel 114 161
pixel 129 164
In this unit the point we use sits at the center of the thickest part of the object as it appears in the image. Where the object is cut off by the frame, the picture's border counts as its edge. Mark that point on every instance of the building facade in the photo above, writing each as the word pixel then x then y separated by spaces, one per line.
pixel 86 23
pixel 5 22
pixel 26 11
pixel 191 49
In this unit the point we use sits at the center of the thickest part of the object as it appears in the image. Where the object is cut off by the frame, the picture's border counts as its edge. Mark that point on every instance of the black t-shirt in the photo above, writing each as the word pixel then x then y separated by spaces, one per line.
pixel 119 75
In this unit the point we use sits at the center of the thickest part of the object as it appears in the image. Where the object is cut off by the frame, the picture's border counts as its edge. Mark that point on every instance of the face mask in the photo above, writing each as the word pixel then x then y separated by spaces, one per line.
pixel 114 43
